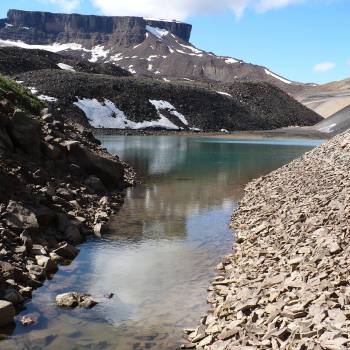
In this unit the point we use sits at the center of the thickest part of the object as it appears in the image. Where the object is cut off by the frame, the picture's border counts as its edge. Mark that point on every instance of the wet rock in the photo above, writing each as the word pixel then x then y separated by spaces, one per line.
pixel 73 235
pixel 27 321
pixel 7 313
pixel 100 229
pixel 66 251
pixel 13 296
pixel 47 263
pixel 73 299
pixel 36 272
pixel 104 167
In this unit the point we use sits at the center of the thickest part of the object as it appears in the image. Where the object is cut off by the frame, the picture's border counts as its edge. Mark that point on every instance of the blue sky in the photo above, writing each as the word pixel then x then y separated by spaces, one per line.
pixel 303 40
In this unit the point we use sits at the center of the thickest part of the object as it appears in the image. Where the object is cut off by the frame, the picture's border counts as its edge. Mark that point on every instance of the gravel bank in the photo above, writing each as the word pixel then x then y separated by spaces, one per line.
pixel 286 286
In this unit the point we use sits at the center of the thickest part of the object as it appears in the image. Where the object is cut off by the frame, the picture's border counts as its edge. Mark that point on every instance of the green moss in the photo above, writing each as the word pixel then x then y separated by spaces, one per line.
pixel 24 99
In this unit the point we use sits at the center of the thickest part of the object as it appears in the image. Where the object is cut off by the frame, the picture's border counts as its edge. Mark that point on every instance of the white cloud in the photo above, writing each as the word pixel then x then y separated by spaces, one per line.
pixel 66 5
pixel 324 67
pixel 181 9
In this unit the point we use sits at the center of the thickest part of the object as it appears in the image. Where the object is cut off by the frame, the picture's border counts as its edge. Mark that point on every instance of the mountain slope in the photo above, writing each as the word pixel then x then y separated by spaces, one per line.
pixel 143 47
pixel 326 99
pixel 126 102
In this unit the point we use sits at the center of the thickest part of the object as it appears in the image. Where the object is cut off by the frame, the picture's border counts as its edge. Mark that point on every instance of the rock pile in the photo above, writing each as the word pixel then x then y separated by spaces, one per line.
pixel 57 186
pixel 286 286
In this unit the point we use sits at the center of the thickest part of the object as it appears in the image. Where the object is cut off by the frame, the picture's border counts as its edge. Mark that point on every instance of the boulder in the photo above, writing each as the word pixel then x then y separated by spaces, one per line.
pixel 18 216
pixel 5 141
pixel 36 272
pixel 95 185
pixel 45 215
pixel 47 263
pixel 74 299
pixel 66 251
pixel 73 235
pixel 108 169
pixel 53 152
pixel 26 133
pixel 13 296
pixel 100 229
pixel 7 313
pixel 40 177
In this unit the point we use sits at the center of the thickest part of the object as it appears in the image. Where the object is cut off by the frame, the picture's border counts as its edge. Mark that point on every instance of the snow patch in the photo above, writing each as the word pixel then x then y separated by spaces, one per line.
pixel 190 54
pixel 164 105
pixel 131 69
pixel 47 98
pixel 33 90
pixel 224 93
pixel 150 58
pixel 107 115
pixel 191 48
pixel 66 67
pixel 8 25
pixel 161 20
pixel 150 67
pixel 96 52
pixel 230 60
pixel 158 32
pixel 277 77
pixel 327 129
pixel 116 57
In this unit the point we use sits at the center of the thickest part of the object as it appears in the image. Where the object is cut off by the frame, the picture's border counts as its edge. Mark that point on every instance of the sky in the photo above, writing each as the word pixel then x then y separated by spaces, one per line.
pixel 302 40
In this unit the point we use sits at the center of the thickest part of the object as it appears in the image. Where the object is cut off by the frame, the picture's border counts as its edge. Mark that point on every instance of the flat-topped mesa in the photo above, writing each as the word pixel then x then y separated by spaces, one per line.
pixel 47 28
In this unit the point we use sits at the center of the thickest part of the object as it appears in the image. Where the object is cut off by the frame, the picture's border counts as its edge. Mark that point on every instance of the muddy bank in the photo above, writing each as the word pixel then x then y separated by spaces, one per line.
pixel 57 186
pixel 286 285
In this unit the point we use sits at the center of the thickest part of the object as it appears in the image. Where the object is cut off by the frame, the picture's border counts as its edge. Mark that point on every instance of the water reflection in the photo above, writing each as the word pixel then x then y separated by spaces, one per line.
pixel 163 245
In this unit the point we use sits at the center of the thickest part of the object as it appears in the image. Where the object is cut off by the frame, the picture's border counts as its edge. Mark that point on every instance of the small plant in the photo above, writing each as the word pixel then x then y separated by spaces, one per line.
pixel 24 99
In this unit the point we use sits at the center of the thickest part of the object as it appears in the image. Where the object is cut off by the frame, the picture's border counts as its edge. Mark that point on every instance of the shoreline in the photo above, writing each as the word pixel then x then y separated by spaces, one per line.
pixel 259 134
pixel 58 188
pixel 281 285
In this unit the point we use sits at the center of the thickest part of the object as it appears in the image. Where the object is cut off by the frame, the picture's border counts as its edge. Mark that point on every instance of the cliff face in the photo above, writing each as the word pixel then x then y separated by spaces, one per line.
pixel 144 47
pixel 47 28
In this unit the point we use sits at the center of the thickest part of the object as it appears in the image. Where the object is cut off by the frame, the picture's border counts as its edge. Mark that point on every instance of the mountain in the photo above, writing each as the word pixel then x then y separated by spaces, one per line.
pixel 144 47
pixel 326 99
pixel 105 96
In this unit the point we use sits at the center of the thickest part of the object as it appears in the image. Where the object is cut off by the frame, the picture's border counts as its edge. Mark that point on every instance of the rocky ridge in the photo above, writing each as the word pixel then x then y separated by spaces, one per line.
pixel 58 186
pixel 286 285
pixel 111 98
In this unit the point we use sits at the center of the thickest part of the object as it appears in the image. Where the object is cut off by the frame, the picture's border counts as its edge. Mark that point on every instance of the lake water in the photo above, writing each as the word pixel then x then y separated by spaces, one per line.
pixel 163 247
